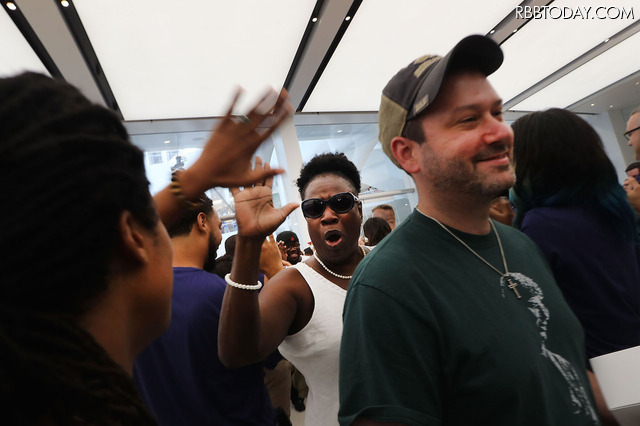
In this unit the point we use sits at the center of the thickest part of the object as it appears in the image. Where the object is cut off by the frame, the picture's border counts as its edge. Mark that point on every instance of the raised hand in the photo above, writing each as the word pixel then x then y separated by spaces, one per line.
pixel 270 258
pixel 255 214
pixel 226 158
pixel 283 250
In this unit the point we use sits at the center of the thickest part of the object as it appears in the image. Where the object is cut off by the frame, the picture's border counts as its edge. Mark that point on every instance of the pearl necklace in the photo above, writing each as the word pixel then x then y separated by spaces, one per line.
pixel 344 277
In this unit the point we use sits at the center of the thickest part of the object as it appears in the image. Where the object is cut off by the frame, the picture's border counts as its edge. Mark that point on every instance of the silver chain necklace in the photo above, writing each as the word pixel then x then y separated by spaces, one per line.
pixel 511 283
pixel 344 277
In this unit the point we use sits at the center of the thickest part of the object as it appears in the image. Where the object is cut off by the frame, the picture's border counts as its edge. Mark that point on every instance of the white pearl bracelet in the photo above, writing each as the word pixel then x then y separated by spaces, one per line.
pixel 232 283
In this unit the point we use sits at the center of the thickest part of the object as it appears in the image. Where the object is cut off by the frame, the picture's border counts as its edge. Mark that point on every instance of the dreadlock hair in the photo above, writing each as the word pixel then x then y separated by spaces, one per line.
pixel 329 164
pixel 69 172
pixel 183 225
pixel 560 161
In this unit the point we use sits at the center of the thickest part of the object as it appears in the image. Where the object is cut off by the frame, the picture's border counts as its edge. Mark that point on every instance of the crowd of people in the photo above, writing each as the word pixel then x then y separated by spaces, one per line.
pixel 483 306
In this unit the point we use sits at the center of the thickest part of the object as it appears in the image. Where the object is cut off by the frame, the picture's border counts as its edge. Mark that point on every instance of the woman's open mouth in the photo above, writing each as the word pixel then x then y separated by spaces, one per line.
pixel 333 238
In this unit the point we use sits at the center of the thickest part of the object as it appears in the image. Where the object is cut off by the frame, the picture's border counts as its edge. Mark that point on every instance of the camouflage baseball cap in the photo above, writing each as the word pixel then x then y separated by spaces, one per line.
pixel 416 86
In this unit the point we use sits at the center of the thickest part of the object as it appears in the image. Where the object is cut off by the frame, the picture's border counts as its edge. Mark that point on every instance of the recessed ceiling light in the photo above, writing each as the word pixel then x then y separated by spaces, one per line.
pixel 64 3
pixel 637 82
pixel 11 6
pixel 515 30
pixel 339 130
pixel 348 18
pixel 314 19
pixel 593 105
pixel 492 31
pixel 606 40
pixel 167 141
pixel 610 106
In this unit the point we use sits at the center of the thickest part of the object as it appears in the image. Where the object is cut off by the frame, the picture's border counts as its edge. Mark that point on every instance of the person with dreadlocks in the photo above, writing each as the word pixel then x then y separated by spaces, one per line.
pixel 87 275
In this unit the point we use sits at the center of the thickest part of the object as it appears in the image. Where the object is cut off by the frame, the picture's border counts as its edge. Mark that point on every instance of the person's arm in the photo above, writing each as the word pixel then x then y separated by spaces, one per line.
pixel 252 326
pixel 226 158
pixel 606 417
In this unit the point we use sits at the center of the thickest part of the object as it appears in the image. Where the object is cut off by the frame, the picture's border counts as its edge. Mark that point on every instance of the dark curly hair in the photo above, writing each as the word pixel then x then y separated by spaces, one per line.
pixel 329 163
pixel 69 171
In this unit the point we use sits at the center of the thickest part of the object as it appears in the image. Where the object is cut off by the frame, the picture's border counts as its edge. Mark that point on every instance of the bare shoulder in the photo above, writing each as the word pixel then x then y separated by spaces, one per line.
pixel 289 284
pixel 293 293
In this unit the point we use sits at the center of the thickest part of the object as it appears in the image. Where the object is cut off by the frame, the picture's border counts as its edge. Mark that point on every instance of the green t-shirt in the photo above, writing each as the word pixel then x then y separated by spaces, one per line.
pixel 432 336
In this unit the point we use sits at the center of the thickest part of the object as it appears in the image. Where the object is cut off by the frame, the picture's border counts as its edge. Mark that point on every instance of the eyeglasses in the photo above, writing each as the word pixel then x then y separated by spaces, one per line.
pixel 627 135
pixel 339 203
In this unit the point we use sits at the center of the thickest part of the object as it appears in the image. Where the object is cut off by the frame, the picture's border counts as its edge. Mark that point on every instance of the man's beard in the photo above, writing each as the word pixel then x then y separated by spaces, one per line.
pixel 294 260
pixel 453 175
pixel 210 262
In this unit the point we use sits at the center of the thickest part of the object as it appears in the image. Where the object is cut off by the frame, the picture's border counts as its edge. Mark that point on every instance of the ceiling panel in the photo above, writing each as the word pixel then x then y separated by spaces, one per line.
pixel 166 59
pixel 385 36
pixel 543 46
pixel 16 55
pixel 616 63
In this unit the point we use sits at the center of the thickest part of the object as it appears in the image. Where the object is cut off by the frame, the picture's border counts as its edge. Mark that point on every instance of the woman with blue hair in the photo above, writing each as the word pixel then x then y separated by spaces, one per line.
pixel 569 201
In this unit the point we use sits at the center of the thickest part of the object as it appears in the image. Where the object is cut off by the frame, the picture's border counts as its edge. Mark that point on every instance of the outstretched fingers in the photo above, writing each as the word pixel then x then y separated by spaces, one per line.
pixel 281 111
pixel 260 110
pixel 236 96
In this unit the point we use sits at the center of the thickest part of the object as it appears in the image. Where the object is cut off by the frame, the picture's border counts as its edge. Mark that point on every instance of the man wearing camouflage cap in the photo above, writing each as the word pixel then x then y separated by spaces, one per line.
pixel 474 330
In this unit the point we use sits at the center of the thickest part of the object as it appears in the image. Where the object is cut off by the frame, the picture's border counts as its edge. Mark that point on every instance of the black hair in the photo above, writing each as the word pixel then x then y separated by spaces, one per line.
pixel 375 229
pixel 560 161
pixel 69 172
pixel 329 163
pixel 230 245
pixel 184 224
pixel 224 262
pixel 635 165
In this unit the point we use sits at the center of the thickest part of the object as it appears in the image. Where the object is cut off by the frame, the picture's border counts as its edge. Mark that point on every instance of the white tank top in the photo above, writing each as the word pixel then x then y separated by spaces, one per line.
pixel 315 349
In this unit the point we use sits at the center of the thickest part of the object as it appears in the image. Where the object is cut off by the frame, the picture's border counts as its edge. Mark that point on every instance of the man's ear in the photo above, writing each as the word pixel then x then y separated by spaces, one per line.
pixel 406 153
pixel 201 222
pixel 132 240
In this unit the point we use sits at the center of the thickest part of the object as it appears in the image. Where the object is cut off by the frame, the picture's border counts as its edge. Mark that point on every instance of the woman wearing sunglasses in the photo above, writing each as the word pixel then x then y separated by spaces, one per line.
pixel 300 310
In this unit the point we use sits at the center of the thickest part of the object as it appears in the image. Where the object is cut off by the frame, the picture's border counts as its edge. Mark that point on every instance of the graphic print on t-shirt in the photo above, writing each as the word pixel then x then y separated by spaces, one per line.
pixel 578 393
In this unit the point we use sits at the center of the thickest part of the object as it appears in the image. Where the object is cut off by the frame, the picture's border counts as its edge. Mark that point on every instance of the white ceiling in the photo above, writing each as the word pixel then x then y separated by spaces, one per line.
pixel 175 61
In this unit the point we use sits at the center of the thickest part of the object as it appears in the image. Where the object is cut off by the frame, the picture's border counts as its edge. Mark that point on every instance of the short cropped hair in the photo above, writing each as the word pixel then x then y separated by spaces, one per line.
pixel 383 207
pixel 329 163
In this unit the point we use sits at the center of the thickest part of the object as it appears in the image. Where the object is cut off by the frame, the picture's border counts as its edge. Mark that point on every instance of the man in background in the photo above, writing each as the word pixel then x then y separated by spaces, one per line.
pixel 632 134
pixel 290 246
pixel 179 375
pixel 386 212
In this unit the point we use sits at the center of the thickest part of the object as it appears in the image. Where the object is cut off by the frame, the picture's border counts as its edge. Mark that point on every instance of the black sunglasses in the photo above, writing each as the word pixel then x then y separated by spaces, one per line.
pixel 343 202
